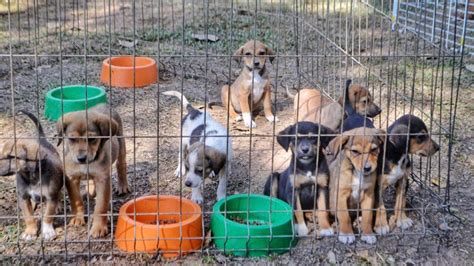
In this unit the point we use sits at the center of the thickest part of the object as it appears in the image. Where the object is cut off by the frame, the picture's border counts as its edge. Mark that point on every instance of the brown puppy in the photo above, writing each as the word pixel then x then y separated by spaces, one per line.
pixel 353 178
pixel 310 105
pixel 407 135
pixel 91 145
pixel 252 87
pixel 39 176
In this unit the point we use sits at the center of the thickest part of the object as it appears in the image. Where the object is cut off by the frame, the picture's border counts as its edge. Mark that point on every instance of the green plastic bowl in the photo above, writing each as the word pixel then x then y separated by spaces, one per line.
pixel 254 225
pixel 73 99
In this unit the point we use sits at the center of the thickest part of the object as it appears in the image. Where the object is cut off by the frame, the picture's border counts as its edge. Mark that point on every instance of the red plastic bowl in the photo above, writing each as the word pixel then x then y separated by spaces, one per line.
pixel 124 73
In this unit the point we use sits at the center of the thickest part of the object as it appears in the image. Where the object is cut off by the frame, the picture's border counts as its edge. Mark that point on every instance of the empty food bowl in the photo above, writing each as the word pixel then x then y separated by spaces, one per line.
pixel 67 99
pixel 170 224
pixel 252 225
pixel 129 71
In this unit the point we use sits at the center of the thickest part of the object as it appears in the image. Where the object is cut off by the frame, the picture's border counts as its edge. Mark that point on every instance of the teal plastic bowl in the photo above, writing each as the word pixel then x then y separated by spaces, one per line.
pixel 72 98
pixel 253 225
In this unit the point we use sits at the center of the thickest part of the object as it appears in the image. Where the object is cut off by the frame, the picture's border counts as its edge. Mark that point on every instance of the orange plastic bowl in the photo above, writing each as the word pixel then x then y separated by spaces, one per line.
pixel 119 72
pixel 153 223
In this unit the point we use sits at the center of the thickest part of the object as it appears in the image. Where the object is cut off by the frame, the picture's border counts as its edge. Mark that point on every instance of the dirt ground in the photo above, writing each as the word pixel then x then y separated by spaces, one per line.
pixel 152 124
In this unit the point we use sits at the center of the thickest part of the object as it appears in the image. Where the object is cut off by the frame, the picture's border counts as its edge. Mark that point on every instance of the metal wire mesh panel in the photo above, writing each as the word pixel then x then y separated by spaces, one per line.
pixel 407 67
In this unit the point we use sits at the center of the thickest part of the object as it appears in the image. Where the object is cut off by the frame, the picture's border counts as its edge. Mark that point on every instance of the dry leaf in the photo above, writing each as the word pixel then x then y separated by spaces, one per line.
pixel 205 37
pixel 438 182
pixel 208 239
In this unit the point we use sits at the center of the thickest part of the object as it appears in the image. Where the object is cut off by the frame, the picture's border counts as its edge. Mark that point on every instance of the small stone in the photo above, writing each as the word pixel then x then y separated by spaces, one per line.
pixel 444 227
pixel 331 257
pixel 391 260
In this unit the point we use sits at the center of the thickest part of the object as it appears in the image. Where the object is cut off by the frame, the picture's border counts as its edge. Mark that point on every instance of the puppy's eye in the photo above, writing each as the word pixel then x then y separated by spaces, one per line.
pixel 198 171
pixel 374 150
pixel 72 140
pixel 420 138
pixel 355 152
pixel 94 140
pixel 261 53
pixel 248 54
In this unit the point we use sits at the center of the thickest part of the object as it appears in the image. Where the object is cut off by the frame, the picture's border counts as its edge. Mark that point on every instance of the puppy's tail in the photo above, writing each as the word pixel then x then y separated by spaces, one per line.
pixel 347 102
pixel 292 96
pixel 180 96
pixel 42 137
pixel 35 120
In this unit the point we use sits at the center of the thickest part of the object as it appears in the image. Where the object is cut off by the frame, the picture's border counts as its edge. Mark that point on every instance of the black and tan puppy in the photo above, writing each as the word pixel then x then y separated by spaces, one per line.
pixel 353 179
pixel 407 135
pixel 252 87
pixel 308 167
pixel 93 142
pixel 39 176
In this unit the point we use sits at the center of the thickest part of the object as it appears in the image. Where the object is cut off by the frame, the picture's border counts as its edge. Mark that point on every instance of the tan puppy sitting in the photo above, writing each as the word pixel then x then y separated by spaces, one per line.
pixel 252 87
pixel 353 178
pixel 93 142
pixel 310 105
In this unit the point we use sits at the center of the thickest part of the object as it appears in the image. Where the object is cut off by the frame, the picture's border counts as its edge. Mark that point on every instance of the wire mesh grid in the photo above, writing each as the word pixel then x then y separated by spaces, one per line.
pixel 319 44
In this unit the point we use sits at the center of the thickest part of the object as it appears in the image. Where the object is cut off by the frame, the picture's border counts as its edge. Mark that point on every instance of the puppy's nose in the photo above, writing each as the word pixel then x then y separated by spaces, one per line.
pixel 367 168
pixel 305 149
pixel 256 63
pixel 82 158
pixel 378 111
pixel 188 183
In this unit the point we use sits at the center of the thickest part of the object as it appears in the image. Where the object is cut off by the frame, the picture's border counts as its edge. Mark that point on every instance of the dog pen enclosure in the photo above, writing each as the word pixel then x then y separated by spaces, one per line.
pixel 50 43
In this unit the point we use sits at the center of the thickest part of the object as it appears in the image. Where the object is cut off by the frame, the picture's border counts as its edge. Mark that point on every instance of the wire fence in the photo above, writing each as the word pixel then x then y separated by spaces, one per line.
pixel 319 44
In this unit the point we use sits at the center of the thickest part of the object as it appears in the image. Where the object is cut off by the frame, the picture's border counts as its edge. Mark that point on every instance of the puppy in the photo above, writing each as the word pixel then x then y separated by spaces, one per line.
pixel 354 118
pixel 206 149
pixel 353 178
pixel 407 135
pixel 39 175
pixel 307 168
pixel 92 142
pixel 310 105
pixel 252 87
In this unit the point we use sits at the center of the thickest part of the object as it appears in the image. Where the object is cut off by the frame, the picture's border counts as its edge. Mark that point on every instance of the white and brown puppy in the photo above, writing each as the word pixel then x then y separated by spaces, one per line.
pixel 206 149
pixel 93 140
pixel 39 175
pixel 252 87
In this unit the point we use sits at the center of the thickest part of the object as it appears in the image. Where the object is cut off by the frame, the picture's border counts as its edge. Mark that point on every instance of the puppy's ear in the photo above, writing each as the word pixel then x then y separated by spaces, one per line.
pixel 238 54
pixel 61 126
pixel 285 141
pixel 381 135
pixel 216 159
pixel 107 126
pixel 270 53
pixel 337 144
pixel 326 139
pixel 399 135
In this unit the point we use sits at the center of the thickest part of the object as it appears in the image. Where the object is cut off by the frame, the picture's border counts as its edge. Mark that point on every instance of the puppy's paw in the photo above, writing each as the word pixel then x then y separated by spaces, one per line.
pixel 78 220
pixel 272 118
pixel 197 198
pixel 326 232
pixel 369 239
pixel 346 238
pixel 238 118
pixel 404 223
pixel 30 233
pixel 382 229
pixel 98 230
pixel 124 189
pixel 301 229
pixel 48 231
pixel 248 120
